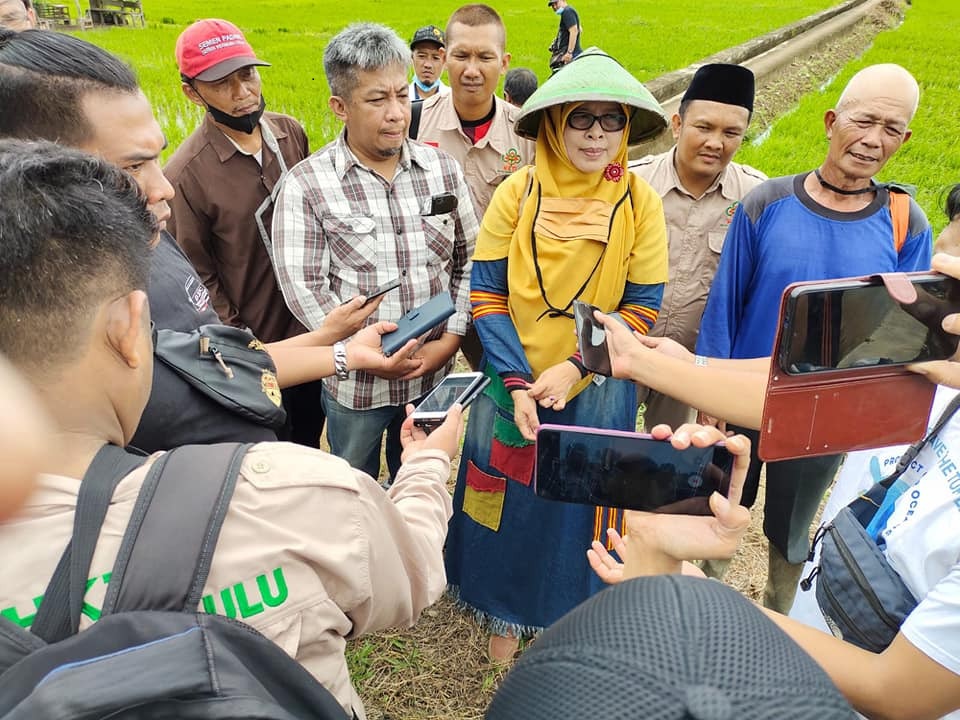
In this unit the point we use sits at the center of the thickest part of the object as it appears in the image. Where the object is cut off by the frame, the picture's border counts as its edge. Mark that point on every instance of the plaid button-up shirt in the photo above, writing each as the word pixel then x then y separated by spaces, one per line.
pixel 340 229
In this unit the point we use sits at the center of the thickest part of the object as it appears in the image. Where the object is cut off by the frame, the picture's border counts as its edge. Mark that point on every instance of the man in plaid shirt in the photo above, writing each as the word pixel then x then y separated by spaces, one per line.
pixel 356 214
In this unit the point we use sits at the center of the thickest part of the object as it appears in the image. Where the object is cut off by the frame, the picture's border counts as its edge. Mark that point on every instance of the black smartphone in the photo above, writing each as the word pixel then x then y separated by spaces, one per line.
pixel 591 339
pixel 628 470
pixel 460 388
pixel 442 204
pixel 382 289
pixel 417 322
pixel 855 323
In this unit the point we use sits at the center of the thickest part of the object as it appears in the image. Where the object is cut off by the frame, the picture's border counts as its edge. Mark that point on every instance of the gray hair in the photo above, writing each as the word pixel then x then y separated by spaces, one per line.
pixel 362 47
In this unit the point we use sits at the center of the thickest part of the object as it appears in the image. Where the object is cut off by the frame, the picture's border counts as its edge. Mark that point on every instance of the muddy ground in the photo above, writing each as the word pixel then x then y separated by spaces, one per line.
pixel 439 669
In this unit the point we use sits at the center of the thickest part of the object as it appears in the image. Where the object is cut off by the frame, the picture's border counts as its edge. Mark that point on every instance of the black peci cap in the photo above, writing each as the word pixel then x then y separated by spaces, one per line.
pixel 722 83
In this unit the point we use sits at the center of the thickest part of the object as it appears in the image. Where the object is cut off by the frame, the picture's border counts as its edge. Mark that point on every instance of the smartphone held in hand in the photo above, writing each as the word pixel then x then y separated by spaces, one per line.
pixel 591 339
pixel 633 471
pixel 455 388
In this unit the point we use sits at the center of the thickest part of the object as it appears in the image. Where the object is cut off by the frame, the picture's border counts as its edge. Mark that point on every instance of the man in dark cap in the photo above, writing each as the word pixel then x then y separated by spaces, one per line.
pixel 222 174
pixel 429 50
pixel 700 187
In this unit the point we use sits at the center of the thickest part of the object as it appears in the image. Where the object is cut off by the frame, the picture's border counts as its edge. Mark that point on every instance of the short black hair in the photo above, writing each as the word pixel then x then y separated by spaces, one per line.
pixel 74 231
pixel 520 83
pixel 44 77
pixel 952 206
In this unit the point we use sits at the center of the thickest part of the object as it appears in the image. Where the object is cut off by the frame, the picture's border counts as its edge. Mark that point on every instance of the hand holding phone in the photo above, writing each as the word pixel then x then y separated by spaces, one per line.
pixel 462 388
pixel 661 542
pixel 419 321
pixel 628 470
pixel 591 339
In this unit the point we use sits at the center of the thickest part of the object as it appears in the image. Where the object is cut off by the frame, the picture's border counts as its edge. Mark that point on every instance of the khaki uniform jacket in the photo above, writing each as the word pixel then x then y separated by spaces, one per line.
pixel 696 228
pixel 485 165
pixel 311 552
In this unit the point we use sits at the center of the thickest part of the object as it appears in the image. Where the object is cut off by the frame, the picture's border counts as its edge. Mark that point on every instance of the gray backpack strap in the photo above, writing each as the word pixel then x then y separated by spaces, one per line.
pixel 165 555
pixel 59 613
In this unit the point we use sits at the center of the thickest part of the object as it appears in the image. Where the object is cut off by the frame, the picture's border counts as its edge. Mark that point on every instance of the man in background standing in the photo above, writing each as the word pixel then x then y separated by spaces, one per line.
pixel 566 46
pixel 471 123
pixel 518 85
pixel 428 51
pixel 700 188
pixel 833 221
pixel 222 175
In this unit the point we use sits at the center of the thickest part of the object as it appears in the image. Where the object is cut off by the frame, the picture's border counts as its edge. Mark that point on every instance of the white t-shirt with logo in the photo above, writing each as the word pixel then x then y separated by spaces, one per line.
pixel 922 536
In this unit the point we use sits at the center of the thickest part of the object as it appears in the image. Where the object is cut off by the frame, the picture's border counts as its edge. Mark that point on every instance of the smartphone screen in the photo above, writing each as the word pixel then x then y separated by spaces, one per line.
pixel 628 470
pixel 858 327
pixel 591 339
pixel 446 393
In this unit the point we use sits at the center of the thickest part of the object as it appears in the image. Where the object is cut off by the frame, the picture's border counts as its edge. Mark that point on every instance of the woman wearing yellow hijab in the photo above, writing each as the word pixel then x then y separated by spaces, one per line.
pixel 575 226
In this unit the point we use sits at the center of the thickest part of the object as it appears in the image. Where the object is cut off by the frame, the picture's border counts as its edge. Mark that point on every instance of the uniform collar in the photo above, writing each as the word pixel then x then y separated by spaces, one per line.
pixel 344 159
pixel 449 120
pixel 222 145
pixel 722 183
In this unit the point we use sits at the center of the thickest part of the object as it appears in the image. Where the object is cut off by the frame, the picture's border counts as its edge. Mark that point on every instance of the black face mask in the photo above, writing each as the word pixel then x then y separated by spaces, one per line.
pixel 244 123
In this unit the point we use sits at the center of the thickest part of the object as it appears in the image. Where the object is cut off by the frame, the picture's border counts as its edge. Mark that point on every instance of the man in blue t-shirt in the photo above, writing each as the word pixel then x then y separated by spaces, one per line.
pixel 566 46
pixel 834 221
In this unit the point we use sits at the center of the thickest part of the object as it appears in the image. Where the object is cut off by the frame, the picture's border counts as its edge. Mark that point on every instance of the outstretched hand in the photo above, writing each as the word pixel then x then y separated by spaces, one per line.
pixel 364 352
pixel 660 542
pixel 445 437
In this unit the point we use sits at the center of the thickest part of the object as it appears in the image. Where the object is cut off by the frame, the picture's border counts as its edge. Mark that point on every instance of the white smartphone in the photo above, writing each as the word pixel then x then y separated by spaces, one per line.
pixel 460 388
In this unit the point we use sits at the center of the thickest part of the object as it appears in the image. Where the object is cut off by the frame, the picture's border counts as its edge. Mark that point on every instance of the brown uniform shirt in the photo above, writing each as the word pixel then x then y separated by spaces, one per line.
pixel 218 189
pixel 485 165
pixel 696 228
pixel 311 551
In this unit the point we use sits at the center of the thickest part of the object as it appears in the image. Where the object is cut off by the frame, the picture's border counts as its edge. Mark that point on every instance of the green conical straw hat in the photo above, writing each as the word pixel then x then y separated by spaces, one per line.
pixel 595 76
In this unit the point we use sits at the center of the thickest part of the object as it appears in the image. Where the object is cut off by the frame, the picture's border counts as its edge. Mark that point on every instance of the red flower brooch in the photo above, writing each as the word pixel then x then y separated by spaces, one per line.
pixel 613 172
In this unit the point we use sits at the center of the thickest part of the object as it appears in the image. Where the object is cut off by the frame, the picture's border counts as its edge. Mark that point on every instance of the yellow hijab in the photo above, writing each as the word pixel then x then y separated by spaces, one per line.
pixel 583 228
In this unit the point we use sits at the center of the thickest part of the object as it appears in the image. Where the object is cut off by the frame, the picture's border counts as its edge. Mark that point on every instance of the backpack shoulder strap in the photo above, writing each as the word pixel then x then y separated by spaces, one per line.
pixel 165 555
pixel 59 613
pixel 900 213
pixel 416 110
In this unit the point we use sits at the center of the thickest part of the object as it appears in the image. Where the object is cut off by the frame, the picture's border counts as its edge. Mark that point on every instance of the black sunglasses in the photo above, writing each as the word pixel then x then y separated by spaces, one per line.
pixel 609 122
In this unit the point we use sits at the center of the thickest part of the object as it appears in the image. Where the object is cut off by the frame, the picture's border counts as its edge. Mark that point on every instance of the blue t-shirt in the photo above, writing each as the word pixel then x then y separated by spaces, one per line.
pixel 780 235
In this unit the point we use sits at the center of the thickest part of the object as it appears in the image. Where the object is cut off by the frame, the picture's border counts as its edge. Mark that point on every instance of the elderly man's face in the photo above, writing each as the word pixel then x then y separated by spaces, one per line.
pixel 14 15
pixel 865 132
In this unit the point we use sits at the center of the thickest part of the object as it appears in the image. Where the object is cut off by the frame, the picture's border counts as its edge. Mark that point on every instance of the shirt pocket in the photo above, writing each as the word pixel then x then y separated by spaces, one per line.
pixel 711 258
pixel 352 240
pixel 440 235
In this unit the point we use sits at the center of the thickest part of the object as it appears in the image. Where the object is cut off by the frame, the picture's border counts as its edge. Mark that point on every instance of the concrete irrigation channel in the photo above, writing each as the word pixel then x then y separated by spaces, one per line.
pixel 788 62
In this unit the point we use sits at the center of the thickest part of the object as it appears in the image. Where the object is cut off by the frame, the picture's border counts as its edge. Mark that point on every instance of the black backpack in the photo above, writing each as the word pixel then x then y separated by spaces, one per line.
pixel 151 655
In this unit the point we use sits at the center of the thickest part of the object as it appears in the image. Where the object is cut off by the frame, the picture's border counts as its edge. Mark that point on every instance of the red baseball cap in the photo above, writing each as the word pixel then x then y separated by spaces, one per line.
pixel 209 50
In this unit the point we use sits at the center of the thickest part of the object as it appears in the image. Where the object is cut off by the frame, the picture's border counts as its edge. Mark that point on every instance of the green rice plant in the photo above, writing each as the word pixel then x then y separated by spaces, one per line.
pixel 648 36
pixel 929 160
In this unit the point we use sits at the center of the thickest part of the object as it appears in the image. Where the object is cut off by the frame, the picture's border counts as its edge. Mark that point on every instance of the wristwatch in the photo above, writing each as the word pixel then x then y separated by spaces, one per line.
pixel 340 360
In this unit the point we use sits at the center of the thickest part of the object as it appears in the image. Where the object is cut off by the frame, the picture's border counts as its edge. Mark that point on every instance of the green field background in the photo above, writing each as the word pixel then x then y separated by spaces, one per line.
pixel 926 45
pixel 649 37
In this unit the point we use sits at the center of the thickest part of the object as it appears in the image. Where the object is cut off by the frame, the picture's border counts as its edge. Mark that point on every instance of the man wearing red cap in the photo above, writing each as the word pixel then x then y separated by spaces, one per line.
pixel 223 174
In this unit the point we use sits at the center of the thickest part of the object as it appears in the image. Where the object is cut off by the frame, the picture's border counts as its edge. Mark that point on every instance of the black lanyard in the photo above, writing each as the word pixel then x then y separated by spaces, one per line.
pixel 552 310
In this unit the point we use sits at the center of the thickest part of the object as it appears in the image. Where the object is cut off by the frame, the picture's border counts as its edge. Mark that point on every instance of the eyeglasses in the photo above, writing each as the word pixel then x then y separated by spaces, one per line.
pixel 609 122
